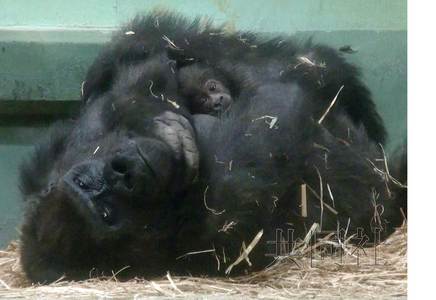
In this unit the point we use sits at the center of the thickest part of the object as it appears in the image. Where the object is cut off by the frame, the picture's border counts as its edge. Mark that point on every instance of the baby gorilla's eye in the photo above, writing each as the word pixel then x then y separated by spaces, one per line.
pixel 211 85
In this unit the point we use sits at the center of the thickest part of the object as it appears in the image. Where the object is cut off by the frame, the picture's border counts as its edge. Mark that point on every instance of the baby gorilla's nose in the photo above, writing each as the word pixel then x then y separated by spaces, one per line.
pixel 217 105
pixel 221 102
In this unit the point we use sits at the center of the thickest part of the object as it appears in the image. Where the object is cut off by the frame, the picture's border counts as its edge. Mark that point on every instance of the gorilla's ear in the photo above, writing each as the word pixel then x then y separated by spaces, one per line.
pixel 176 131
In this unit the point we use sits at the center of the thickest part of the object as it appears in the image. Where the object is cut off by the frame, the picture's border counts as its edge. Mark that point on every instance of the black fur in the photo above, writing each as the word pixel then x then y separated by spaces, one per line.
pixel 322 68
pixel 252 171
pixel 100 191
pixel 115 187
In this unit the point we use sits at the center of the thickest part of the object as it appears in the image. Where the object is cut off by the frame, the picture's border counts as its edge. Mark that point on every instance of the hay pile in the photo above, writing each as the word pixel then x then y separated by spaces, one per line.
pixel 288 278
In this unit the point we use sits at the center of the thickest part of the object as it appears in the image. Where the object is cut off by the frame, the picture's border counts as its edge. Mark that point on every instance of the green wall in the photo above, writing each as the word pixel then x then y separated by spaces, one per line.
pixel 263 15
pixel 46 47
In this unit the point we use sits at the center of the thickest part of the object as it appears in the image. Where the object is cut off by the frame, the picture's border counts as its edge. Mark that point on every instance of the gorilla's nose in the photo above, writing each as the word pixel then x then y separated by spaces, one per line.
pixel 85 186
pixel 120 173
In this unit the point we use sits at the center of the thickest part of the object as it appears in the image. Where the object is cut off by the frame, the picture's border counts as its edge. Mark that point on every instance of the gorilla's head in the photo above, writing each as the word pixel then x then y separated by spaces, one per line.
pixel 97 192
pixel 109 195
pixel 108 190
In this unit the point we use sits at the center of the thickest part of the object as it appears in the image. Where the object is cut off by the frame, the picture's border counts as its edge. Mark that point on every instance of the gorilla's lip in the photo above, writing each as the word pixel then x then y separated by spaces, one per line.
pixel 105 211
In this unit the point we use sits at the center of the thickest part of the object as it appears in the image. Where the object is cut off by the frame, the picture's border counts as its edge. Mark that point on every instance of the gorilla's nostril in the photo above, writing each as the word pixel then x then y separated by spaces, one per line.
pixel 119 166
pixel 121 173
pixel 221 97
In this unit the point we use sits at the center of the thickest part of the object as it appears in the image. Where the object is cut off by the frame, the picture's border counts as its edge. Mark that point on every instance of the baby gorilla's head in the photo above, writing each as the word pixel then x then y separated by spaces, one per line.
pixel 207 89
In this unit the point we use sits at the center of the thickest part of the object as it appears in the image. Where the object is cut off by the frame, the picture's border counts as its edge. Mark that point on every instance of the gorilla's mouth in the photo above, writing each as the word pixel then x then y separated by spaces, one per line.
pixel 98 211
pixel 102 213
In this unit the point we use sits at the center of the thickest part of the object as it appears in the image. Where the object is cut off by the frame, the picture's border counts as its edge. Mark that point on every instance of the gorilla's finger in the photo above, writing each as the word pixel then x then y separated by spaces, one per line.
pixel 177 132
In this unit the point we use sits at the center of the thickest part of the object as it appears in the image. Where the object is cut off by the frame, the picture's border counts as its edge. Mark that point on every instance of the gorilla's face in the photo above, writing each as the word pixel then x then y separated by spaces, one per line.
pixel 108 190
pixel 102 197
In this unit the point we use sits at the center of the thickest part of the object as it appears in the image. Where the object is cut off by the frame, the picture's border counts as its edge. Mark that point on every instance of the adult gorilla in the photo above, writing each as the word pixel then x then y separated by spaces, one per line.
pixel 115 187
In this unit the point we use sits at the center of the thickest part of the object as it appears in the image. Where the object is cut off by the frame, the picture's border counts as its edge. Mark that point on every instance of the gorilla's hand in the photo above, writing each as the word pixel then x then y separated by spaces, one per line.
pixel 177 132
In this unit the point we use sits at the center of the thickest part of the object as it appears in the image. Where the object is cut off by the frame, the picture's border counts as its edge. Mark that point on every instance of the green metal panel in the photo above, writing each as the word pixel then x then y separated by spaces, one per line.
pixel 272 15
pixel 43 71
pixel 268 16
pixel 10 204
pixel 46 47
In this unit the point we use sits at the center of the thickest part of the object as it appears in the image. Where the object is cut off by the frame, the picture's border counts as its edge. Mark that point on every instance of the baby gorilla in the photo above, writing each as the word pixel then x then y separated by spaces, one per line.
pixel 208 90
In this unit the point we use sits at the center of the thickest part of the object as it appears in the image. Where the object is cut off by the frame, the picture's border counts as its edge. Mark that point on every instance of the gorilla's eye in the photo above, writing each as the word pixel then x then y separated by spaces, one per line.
pixel 81 184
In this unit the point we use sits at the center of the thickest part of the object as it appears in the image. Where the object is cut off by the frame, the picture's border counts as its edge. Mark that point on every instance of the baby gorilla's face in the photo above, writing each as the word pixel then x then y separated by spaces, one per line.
pixel 214 98
pixel 207 89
